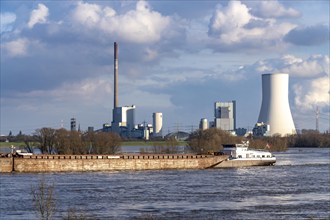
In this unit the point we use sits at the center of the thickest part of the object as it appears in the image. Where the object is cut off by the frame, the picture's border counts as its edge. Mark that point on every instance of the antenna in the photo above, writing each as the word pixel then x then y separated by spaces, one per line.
pixel 317 116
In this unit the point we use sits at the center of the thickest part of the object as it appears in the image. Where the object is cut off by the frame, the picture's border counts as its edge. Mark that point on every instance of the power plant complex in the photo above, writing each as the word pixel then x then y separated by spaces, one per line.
pixel 123 117
pixel 274 117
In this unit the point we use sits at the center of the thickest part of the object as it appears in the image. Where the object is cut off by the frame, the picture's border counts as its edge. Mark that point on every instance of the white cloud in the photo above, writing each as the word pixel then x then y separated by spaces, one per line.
pixel 142 25
pixel 17 47
pixel 228 23
pixel 87 14
pixel 7 19
pixel 271 9
pixel 312 93
pixel 234 27
pixel 315 65
pixel 38 15
pixel 310 67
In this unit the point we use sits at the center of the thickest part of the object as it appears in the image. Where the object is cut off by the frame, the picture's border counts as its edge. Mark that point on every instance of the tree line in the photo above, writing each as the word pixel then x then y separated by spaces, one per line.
pixel 211 140
pixel 62 141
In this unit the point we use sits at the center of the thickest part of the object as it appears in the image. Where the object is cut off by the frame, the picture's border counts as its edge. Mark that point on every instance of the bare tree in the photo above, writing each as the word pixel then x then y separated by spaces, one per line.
pixel 46 138
pixel 76 143
pixel 62 141
pixel 106 143
pixel 69 142
pixel 210 140
pixel 28 147
pixel 43 198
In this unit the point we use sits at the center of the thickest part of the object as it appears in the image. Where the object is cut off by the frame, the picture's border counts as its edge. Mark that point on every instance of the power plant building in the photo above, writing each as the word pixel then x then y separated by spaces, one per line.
pixel 124 117
pixel 225 115
pixel 275 110
pixel 121 116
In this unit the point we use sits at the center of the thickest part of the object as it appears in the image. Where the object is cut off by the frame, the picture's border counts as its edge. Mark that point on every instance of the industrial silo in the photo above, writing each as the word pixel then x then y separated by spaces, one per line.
pixel 275 110
pixel 203 124
pixel 157 124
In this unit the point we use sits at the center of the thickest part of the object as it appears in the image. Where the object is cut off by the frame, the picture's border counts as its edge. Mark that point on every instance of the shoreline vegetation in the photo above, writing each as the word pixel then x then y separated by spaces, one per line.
pixel 61 141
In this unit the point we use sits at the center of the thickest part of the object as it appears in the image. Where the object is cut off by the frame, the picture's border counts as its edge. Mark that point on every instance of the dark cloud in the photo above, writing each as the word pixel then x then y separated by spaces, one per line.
pixel 255 23
pixel 307 36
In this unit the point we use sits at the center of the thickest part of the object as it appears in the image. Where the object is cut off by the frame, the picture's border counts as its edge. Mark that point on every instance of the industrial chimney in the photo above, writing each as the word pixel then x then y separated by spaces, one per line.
pixel 275 110
pixel 115 81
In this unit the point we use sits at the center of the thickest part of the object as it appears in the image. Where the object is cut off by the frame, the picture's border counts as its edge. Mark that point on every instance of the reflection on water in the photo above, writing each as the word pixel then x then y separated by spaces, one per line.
pixel 297 187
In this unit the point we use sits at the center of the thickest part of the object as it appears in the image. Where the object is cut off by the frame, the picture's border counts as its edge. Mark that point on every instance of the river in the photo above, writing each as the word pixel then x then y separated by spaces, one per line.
pixel 297 187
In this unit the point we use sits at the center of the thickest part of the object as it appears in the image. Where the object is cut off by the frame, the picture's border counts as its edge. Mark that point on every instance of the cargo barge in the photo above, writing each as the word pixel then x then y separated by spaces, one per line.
pixel 83 163
pixel 238 155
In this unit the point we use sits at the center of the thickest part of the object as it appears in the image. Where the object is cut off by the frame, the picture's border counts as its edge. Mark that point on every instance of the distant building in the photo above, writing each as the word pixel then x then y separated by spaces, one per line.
pixel 225 115
pixel 123 117
pixel 73 124
pixel 261 129
pixel 203 125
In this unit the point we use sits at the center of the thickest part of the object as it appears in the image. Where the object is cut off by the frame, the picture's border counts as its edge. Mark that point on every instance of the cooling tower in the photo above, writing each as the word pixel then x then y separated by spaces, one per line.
pixel 275 110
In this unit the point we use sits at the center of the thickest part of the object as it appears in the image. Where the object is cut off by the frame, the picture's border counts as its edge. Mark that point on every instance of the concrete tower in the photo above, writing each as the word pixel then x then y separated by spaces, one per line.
pixel 203 124
pixel 115 80
pixel 275 110
pixel 157 119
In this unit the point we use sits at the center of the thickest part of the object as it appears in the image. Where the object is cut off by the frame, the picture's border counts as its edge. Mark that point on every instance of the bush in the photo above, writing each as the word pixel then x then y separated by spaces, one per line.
pixel 210 140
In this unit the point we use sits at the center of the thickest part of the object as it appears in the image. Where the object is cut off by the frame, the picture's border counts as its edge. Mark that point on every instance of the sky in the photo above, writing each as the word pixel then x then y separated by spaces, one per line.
pixel 175 57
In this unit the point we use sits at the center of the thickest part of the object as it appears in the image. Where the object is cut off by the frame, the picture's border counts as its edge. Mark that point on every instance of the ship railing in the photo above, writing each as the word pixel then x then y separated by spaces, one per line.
pixel 125 156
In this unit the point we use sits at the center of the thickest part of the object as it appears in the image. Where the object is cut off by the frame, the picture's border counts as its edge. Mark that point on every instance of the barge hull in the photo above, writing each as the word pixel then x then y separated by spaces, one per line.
pixel 85 163
pixel 244 163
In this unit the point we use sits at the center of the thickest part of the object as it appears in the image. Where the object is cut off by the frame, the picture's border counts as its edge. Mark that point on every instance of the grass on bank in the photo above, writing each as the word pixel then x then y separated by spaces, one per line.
pixel 9 144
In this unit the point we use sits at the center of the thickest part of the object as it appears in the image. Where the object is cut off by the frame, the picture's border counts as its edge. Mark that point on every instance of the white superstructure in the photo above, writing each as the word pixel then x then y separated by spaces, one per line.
pixel 242 152
pixel 275 110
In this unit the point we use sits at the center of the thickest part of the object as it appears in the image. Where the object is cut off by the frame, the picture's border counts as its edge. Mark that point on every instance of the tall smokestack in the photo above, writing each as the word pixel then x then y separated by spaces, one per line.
pixel 115 98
